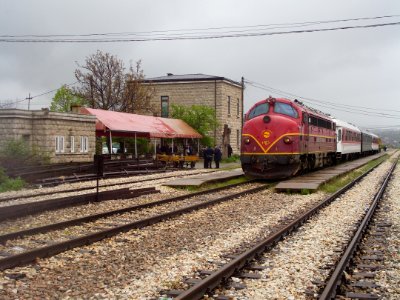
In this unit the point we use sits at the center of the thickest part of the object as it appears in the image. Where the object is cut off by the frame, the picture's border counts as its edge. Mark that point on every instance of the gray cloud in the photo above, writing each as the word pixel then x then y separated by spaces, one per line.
pixel 357 67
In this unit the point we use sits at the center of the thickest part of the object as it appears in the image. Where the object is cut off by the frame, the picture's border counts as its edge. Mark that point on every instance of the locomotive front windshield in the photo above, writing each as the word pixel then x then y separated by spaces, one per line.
pixel 285 109
pixel 260 109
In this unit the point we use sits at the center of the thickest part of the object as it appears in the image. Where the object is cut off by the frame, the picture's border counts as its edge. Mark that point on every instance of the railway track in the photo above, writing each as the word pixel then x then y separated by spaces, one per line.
pixel 26 209
pixel 243 263
pixel 32 244
pixel 361 258
pixel 25 198
pixel 139 263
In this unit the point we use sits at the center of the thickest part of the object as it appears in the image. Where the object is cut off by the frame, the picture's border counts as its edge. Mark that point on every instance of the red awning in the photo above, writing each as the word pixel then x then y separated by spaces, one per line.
pixel 125 124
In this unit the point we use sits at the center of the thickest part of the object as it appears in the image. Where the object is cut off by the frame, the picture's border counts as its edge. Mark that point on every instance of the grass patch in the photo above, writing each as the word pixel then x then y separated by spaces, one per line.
pixel 9 184
pixel 233 158
pixel 215 184
pixel 337 183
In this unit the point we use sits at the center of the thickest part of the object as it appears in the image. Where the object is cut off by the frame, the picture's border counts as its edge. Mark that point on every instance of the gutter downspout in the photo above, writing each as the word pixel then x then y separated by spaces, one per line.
pixel 241 117
pixel 215 108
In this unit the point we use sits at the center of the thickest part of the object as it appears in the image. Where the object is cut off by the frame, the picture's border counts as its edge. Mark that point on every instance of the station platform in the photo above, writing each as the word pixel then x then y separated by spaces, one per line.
pixel 205 178
pixel 313 180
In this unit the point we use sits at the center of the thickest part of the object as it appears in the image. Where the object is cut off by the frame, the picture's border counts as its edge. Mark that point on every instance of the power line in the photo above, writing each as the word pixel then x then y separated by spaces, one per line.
pixel 324 104
pixel 9 103
pixel 199 37
pixel 186 31
pixel 320 101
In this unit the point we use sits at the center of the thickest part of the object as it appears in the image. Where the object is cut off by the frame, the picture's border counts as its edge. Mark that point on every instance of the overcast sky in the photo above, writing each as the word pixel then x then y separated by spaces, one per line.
pixel 353 67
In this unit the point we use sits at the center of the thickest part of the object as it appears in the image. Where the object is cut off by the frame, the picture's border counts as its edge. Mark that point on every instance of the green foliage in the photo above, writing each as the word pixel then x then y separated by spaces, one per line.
pixel 18 153
pixel 209 186
pixel 339 182
pixel 63 100
pixel 305 192
pixel 143 145
pixel 233 158
pixel 200 117
pixel 8 184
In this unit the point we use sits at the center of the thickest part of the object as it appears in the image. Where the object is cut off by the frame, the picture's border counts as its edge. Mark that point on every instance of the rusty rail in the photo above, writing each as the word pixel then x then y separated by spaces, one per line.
pixel 209 283
pixel 330 289
pixel 32 255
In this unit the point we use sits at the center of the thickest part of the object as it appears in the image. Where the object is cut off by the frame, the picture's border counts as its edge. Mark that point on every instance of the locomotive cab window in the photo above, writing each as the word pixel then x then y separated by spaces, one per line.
pixel 260 109
pixel 285 109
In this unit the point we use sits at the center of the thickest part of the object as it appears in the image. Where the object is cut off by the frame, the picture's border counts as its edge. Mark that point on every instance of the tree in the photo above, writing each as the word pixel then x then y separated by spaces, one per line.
pixel 105 85
pixel 200 117
pixel 64 98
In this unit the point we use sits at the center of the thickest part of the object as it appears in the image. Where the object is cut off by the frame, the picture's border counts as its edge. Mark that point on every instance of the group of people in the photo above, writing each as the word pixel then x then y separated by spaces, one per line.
pixel 209 154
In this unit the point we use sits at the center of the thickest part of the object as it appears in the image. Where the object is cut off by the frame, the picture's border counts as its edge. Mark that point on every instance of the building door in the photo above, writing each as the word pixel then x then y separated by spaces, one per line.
pixel 226 140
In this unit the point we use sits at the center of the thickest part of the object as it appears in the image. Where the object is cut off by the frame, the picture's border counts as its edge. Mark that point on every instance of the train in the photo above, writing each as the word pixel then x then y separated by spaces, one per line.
pixel 282 138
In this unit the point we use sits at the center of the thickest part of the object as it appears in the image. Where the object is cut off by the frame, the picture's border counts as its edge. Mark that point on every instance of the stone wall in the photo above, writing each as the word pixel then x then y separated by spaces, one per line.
pixel 210 93
pixel 40 128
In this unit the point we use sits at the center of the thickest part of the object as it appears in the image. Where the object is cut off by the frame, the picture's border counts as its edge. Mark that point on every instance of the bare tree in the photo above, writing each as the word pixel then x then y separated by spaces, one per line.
pixel 105 85
pixel 137 96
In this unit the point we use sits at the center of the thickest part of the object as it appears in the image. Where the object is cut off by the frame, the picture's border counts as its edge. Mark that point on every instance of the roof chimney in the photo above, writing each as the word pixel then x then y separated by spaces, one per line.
pixel 75 108
pixel 170 74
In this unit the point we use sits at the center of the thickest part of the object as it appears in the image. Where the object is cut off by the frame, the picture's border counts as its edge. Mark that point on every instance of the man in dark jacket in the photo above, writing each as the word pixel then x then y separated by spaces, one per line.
pixel 205 158
pixel 209 156
pixel 217 156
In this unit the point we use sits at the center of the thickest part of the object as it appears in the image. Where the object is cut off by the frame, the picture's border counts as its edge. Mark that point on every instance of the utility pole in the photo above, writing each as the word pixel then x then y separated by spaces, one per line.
pixel 242 101
pixel 29 101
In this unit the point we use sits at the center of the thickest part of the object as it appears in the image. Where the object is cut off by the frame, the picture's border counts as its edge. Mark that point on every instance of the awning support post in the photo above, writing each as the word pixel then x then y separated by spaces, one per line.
pixel 135 147
pixel 155 148
pixel 172 146
pixel 111 149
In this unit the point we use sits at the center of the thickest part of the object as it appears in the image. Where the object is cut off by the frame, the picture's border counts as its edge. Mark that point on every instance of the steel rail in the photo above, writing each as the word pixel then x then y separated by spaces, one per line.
pixel 334 281
pixel 78 189
pixel 56 248
pixel 31 208
pixel 209 283
pixel 78 221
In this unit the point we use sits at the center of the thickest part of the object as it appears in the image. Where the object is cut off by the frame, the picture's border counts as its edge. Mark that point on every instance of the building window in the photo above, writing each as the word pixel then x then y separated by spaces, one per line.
pixel 84 144
pixel 229 105
pixel 238 108
pixel 59 144
pixel 72 144
pixel 164 106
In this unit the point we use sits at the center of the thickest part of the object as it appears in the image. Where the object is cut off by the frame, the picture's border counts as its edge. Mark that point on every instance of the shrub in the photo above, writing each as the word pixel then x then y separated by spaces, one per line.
pixel 18 153
pixel 8 184
pixel 233 158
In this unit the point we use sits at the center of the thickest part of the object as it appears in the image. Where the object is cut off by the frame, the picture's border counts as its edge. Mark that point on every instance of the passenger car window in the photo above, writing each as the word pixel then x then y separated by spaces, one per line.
pixel 260 109
pixel 285 109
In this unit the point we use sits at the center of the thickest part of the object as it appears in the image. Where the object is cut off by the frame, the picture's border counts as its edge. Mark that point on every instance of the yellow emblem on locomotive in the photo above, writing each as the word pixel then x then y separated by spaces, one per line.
pixel 266 134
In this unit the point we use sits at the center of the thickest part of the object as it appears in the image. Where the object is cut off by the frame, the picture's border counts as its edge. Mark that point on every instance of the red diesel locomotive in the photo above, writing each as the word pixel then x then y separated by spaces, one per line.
pixel 281 138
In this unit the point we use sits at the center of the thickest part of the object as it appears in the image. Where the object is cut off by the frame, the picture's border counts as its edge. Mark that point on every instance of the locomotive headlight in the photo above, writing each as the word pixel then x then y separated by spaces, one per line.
pixel 287 140
pixel 267 119
pixel 246 140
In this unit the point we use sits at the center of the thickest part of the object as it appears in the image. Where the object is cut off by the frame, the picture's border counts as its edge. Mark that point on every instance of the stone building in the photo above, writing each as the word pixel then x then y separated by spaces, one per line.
pixel 63 137
pixel 220 93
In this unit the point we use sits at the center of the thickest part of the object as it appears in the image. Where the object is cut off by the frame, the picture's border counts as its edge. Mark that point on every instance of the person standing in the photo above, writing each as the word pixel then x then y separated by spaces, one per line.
pixel 209 154
pixel 217 156
pixel 205 158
